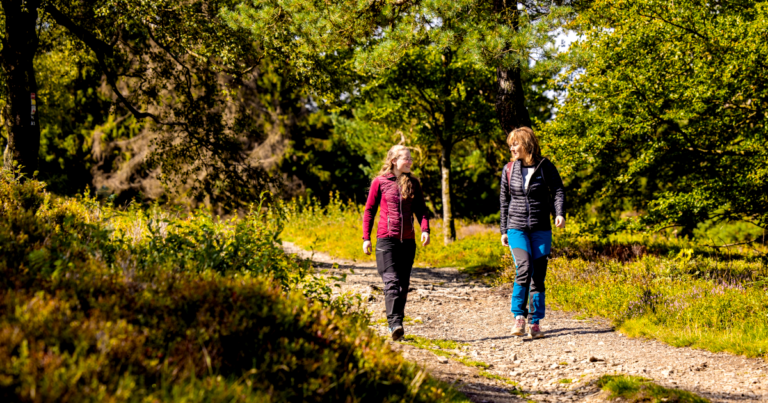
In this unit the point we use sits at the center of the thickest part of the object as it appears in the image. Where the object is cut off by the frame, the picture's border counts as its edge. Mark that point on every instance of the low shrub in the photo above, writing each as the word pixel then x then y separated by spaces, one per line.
pixel 98 304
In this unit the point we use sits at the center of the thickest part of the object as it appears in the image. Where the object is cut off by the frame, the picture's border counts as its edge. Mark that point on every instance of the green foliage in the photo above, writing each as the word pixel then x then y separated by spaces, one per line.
pixel 312 34
pixel 71 107
pixel 442 106
pixel 419 73
pixel 638 389
pixel 120 96
pixel 100 304
pixel 323 161
pixel 665 113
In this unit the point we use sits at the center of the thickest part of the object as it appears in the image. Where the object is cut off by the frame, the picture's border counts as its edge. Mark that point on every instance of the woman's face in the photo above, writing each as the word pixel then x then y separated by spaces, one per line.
pixel 404 161
pixel 518 152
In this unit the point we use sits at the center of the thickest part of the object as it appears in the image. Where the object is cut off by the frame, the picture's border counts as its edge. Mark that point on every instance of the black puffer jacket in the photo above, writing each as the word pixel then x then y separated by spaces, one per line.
pixel 530 210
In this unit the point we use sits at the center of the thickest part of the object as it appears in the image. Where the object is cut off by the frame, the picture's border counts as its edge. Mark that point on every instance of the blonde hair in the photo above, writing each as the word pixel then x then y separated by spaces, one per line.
pixel 403 181
pixel 525 137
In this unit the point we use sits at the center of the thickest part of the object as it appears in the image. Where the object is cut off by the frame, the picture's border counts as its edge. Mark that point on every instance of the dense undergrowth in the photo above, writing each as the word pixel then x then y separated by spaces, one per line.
pixel 681 291
pixel 101 304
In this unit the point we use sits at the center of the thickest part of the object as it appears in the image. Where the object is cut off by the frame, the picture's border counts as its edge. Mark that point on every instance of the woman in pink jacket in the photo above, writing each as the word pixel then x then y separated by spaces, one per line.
pixel 400 197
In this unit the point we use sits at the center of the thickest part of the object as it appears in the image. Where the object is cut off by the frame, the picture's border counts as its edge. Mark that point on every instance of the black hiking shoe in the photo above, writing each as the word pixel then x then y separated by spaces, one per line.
pixel 397 332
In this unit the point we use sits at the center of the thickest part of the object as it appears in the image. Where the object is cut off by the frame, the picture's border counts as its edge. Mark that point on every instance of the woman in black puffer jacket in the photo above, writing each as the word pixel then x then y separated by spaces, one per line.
pixel 531 190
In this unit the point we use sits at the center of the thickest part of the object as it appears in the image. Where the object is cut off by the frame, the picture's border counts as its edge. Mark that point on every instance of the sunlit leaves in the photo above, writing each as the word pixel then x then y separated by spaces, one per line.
pixel 669 110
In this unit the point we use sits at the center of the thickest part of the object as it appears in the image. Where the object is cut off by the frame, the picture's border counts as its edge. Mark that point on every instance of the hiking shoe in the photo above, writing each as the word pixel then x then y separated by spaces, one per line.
pixel 397 332
pixel 519 329
pixel 536 332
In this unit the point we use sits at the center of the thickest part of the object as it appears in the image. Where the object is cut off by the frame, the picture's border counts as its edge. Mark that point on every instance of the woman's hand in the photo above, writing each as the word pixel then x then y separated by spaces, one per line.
pixel 560 221
pixel 367 247
pixel 424 238
pixel 505 240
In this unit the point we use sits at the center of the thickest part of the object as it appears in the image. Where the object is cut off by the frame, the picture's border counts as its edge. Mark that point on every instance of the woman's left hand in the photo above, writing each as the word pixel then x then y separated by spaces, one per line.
pixel 424 238
pixel 560 221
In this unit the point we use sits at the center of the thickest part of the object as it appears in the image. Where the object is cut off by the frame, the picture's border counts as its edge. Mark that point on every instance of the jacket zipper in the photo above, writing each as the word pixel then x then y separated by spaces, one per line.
pixel 401 216
pixel 528 190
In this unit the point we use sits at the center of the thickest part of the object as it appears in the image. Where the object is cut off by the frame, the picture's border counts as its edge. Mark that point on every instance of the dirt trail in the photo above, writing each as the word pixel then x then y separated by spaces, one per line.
pixel 451 307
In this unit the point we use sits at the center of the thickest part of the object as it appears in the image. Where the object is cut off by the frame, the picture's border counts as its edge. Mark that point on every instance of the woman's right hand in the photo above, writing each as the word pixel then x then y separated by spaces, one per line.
pixel 504 240
pixel 367 247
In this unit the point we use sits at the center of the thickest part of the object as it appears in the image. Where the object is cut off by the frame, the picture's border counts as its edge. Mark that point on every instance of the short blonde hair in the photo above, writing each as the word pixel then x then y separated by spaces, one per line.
pixel 525 137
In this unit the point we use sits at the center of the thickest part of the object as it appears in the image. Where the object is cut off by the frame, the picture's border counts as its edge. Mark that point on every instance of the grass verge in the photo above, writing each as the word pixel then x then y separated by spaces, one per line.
pixel 442 348
pixel 635 389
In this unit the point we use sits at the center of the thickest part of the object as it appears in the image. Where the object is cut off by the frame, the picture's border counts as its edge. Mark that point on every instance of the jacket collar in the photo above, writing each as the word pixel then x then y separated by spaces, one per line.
pixel 519 163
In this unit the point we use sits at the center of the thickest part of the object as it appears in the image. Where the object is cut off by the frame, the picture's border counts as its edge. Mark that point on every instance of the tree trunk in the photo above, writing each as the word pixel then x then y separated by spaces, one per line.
pixel 18 54
pixel 446 143
pixel 510 98
pixel 449 228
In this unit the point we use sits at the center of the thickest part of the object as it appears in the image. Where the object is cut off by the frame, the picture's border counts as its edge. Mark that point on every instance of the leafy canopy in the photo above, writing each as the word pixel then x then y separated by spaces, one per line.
pixel 668 115
pixel 319 37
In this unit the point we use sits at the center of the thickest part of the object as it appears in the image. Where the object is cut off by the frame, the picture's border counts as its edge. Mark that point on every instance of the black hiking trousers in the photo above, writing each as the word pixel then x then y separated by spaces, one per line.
pixel 394 261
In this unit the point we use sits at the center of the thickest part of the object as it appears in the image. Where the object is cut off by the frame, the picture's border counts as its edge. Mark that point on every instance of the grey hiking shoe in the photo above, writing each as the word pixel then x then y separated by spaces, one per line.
pixel 519 328
pixel 397 332
pixel 536 332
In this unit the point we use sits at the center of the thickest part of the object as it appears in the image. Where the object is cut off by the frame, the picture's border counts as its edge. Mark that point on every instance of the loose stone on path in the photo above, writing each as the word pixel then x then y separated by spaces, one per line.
pixel 580 351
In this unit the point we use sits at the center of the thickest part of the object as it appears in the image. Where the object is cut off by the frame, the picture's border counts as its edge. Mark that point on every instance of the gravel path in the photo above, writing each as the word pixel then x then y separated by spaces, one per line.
pixel 559 367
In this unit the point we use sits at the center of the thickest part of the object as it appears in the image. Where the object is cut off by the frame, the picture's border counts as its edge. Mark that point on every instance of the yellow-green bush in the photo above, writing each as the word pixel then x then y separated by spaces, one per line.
pixel 98 304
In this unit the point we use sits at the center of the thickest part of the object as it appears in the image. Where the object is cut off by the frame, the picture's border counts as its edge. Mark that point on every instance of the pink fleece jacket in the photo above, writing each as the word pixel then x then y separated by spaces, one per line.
pixel 396 219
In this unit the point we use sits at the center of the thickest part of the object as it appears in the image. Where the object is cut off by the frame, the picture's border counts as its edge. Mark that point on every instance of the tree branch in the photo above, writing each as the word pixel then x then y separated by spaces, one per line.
pixel 734 244
pixel 94 43
pixel 723 152
pixel 102 51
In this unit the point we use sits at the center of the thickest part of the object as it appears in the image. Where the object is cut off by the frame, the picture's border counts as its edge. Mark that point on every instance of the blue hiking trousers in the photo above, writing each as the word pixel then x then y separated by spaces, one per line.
pixel 530 249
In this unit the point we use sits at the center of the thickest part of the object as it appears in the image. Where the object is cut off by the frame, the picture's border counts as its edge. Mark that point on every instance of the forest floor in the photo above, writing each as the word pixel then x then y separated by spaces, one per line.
pixel 488 364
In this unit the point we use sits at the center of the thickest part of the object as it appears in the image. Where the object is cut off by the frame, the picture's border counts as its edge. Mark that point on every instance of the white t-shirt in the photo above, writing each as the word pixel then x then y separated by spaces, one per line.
pixel 528 174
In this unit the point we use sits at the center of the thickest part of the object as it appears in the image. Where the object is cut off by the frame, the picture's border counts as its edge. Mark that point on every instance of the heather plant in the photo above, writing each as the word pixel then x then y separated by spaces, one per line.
pixel 101 304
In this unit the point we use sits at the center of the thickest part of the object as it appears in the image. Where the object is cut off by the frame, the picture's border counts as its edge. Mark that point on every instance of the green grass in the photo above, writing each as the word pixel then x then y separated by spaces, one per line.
pixel 499 378
pixel 667 299
pixel 636 389
pixel 431 344
pixel 515 390
pixel 406 321
pixel 441 347
pixel 472 363
pixel 566 380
